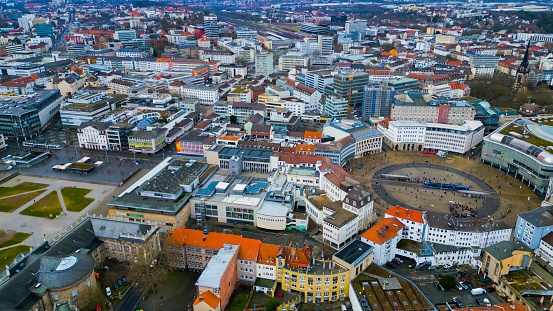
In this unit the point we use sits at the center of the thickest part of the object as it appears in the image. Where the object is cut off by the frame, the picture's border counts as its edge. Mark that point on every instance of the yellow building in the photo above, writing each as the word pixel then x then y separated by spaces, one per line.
pixel 148 142
pixel 316 280
pixel 503 257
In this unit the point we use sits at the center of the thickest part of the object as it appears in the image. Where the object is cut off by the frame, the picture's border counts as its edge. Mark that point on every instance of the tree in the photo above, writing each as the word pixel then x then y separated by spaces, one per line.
pixel 448 281
pixel 272 304
pixel 233 119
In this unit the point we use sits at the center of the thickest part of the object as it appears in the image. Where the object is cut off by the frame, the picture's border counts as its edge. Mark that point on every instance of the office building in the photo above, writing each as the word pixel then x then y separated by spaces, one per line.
pixel 125 35
pixel 27 117
pixel 318 79
pixel 264 63
pixel 44 30
pixel 211 27
pixel 326 44
pixel 349 86
pixel 356 25
pixel 377 101
pixel 416 108
pixel 291 60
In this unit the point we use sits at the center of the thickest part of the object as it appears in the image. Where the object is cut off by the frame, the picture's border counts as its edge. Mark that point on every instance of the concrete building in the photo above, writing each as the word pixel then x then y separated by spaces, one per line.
pixel 208 95
pixel 403 135
pixel 264 63
pixel 350 86
pixel 160 196
pixel 451 112
pixel 291 60
pixel 367 140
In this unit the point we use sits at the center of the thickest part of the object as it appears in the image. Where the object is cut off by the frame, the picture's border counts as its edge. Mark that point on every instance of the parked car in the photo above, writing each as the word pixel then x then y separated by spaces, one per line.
pixel 398 259
pixel 119 282
pixel 469 284
pixel 391 265
pixel 106 268
pixel 459 287
pixel 458 302
pixel 490 289
pixel 279 294
pixel 396 262
pixel 124 279
pixel 108 291
pixel 464 285
pixel 116 286
pixel 478 302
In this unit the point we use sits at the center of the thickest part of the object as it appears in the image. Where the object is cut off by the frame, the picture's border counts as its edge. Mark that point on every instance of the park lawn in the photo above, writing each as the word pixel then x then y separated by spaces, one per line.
pixel 17 238
pixel 74 198
pixel 8 205
pixel 8 255
pixel 47 207
pixel 21 188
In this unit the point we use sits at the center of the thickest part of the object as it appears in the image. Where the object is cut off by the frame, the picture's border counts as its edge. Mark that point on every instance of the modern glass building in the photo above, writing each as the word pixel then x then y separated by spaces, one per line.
pixel 349 86
pixel 523 148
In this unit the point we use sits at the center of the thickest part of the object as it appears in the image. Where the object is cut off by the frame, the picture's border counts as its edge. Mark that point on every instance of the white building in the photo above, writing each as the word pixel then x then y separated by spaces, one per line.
pixel 226 58
pixel 291 60
pixel 208 95
pixel 403 135
pixel 458 139
pixel 93 135
pixel 264 63
pixel 384 237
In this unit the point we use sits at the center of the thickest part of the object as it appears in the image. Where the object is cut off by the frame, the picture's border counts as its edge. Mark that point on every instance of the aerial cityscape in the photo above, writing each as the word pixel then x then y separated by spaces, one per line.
pixel 168 155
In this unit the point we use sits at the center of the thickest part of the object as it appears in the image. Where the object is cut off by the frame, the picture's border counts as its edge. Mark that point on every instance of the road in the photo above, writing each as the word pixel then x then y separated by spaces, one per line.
pixel 131 301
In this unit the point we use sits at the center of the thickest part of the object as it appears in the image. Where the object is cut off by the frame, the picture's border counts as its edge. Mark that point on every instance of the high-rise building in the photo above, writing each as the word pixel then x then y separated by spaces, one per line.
pixel 127 35
pixel 377 101
pixel 356 26
pixel 44 30
pixel 210 26
pixel 349 85
pixel 326 45
pixel 26 22
pixel 263 63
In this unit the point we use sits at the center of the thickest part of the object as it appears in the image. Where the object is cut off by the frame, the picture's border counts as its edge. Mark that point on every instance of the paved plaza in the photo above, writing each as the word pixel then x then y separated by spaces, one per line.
pixel 514 197
pixel 43 228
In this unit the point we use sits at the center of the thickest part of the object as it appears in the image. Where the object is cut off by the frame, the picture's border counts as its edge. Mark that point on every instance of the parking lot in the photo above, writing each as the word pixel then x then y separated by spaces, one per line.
pixel 425 279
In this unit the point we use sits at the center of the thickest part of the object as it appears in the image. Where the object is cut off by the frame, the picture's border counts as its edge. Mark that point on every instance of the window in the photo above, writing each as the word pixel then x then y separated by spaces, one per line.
pixel 56 298
pixel 74 293
pixel 88 283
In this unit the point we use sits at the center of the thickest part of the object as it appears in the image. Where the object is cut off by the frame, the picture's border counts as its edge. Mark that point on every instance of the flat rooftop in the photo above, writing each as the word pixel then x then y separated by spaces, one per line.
pixel 176 174
pixel 354 252
pixel 216 267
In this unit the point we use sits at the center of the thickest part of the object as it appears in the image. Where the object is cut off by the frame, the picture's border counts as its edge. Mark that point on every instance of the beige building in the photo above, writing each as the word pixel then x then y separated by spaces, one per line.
pixel 503 257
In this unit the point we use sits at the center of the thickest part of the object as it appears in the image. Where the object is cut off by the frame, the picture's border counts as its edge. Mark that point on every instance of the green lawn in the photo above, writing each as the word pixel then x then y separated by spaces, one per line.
pixel 8 205
pixel 9 254
pixel 17 238
pixel 48 207
pixel 238 301
pixel 20 188
pixel 75 200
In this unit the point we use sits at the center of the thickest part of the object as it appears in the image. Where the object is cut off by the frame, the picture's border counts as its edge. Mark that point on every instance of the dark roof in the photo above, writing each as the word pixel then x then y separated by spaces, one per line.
pixel 540 217
pixel 358 194
pixel 256 118
pixel 100 126
pixel 505 249
pixel 261 128
pixel 354 252
pixel 16 293
pixel 62 271
pixel 548 238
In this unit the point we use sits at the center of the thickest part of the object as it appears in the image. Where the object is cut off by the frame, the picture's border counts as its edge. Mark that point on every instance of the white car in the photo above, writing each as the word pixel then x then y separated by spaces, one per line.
pixel 108 291
pixel 447 266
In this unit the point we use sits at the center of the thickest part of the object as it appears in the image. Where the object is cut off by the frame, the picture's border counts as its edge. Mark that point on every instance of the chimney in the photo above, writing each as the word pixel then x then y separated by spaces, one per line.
pixel 201 298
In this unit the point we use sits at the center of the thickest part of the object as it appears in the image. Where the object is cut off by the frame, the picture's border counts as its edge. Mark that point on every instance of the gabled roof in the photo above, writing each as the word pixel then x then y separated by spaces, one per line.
pixel 313 135
pixel 209 298
pixel 267 254
pixel 249 249
pixel 383 231
pixel 406 213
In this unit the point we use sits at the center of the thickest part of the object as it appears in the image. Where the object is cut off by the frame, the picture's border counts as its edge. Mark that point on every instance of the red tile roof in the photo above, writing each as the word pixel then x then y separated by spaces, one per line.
pixel 383 231
pixel 406 213
pixel 209 298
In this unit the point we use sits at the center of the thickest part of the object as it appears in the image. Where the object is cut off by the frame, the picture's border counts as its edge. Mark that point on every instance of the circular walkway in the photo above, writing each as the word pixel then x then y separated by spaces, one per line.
pixel 489 207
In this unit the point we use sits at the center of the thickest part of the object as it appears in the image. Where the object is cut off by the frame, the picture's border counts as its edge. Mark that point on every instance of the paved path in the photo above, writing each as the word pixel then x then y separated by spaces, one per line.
pixel 490 206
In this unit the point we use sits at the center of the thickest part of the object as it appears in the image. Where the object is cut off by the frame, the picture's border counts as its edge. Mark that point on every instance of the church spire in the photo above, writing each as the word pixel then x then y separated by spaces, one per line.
pixel 524 66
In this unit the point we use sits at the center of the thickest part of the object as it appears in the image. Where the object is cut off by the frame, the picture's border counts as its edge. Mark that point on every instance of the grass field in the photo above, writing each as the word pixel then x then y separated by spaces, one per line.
pixel 48 207
pixel 8 205
pixel 9 254
pixel 238 301
pixel 74 198
pixel 20 188
pixel 15 238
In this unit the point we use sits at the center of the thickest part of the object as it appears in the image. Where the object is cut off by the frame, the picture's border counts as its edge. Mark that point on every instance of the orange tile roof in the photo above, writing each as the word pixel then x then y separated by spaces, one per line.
pixel 458 85
pixel 208 297
pixel 406 213
pixel 267 254
pixel 295 257
pixel 314 135
pixel 214 240
pixel 305 147
pixel 384 230
pixel 228 137
pixel 249 249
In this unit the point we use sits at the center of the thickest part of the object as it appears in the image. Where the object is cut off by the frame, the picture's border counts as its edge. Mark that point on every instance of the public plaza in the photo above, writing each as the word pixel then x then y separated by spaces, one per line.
pixel 503 196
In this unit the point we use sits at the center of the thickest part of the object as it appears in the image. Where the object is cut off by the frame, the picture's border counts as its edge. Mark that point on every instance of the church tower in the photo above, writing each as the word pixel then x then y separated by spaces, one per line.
pixel 521 80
